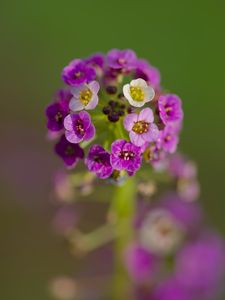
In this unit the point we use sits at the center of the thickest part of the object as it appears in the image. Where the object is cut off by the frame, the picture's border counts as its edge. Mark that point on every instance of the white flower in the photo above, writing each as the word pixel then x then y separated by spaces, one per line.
pixel 160 233
pixel 138 92
pixel 85 96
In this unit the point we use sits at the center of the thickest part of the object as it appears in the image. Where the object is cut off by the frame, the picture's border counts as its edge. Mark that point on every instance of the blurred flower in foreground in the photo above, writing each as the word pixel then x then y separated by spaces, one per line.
pixel 64 288
pixel 174 256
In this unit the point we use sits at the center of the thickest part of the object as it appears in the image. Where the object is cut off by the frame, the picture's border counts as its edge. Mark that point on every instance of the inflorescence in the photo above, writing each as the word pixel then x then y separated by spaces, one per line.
pixel 114 115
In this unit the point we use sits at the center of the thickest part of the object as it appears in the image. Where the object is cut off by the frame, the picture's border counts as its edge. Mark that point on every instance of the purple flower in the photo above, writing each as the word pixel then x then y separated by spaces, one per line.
pixel 70 153
pixel 188 215
pixel 79 127
pixel 147 72
pixel 200 265
pixel 98 161
pixel 168 139
pixel 121 59
pixel 125 156
pixel 57 111
pixel 170 109
pixel 141 127
pixel 78 72
pixel 140 263
pixel 170 289
pixel 96 60
pixel 180 167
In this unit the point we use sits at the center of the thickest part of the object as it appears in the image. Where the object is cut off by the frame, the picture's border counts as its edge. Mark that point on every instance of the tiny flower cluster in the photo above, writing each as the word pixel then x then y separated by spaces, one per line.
pixel 174 256
pixel 113 114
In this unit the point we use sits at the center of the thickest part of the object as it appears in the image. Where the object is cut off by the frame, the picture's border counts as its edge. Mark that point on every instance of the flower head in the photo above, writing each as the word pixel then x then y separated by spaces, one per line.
pixel 70 153
pixel 79 127
pixel 141 127
pixel 85 96
pixel 137 92
pixel 78 72
pixel 98 161
pixel 170 109
pixel 125 156
pixel 121 59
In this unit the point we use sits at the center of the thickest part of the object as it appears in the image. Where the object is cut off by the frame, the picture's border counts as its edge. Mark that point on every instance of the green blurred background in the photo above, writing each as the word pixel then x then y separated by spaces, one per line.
pixel 184 39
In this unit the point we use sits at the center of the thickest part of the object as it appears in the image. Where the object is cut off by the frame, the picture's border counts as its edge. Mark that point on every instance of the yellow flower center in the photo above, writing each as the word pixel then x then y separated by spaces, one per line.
pixel 85 96
pixel 140 127
pixel 137 93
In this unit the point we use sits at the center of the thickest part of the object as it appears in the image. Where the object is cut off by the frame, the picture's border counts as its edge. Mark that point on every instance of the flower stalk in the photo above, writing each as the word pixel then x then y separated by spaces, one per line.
pixel 122 211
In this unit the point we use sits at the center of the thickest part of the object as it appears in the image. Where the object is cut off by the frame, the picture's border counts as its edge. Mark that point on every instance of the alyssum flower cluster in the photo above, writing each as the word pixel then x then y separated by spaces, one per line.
pixel 114 107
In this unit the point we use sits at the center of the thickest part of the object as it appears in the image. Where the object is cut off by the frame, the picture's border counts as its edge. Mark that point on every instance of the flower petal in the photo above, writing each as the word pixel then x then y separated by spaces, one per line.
pixel 149 93
pixel 94 86
pixel 72 137
pixel 139 83
pixel 146 115
pixel 76 104
pixel 129 121
pixel 90 133
pixel 93 103
pixel 68 122
pixel 136 139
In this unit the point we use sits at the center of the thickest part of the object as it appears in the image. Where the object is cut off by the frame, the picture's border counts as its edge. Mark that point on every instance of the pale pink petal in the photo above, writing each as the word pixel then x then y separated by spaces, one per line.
pixel 152 134
pixel 75 91
pixel 146 115
pixel 93 103
pixel 76 105
pixel 68 123
pixel 72 137
pixel 129 121
pixel 136 139
pixel 94 86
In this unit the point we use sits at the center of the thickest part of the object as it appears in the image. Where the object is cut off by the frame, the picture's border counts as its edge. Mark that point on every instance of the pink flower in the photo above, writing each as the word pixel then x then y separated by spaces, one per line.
pixel 141 127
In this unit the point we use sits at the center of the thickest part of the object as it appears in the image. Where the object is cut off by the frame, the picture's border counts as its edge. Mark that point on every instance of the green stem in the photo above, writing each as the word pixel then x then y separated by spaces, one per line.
pixel 123 208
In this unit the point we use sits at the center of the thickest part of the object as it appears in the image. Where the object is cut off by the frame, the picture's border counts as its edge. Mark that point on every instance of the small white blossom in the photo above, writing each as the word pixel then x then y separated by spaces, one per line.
pixel 85 96
pixel 138 92
pixel 160 233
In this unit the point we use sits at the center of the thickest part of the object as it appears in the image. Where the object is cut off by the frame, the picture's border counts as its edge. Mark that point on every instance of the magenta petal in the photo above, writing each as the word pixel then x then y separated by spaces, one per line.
pixel 72 137
pixel 116 163
pixel 90 133
pixel 86 118
pixel 117 146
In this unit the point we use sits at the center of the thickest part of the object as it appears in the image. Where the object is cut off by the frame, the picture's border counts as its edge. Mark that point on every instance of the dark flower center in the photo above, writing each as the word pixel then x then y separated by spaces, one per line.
pixel 58 117
pixel 69 151
pixel 98 159
pixel 126 155
pixel 168 110
pixel 140 127
pixel 80 127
